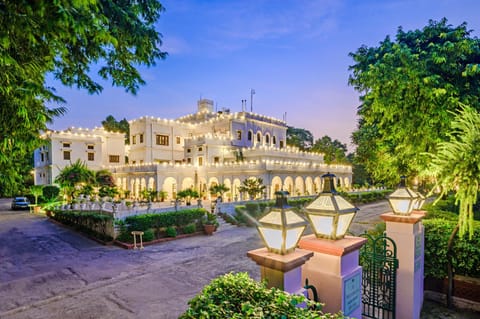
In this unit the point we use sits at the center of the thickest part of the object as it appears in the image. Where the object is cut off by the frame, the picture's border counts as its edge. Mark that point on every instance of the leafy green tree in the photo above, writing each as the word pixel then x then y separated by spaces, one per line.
pixel 408 88
pixel 65 39
pixel 188 194
pixel 219 189
pixel 36 191
pixel 299 137
pixel 334 151
pixel 252 186
pixel 112 125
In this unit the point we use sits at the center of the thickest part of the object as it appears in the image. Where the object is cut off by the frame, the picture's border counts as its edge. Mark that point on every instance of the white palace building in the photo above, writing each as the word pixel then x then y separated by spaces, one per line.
pixel 197 150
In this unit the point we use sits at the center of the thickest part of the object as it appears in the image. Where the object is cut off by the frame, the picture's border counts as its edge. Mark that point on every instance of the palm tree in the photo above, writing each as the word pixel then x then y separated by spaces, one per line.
pixel 252 186
pixel 218 189
pixel 188 194
pixel 74 175
pixel 456 167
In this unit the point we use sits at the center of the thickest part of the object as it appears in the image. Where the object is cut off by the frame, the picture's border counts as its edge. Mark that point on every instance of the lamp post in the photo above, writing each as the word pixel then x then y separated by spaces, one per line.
pixel 330 214
pixel 403 199
pixel 335 263
pixel 280 262
pixel 407 231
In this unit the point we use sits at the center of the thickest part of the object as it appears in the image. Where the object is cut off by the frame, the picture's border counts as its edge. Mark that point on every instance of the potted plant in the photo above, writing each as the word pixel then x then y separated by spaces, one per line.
pixel 210 223
pixel 36 191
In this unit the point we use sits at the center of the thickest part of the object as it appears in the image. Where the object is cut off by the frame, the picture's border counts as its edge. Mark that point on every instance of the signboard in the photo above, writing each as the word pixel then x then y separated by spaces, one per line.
pixel 352 289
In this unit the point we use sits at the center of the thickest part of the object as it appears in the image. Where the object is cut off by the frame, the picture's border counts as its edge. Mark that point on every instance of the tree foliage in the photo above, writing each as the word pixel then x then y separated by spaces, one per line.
pixel 408 89
pixel 456 165
pixel 65 39
pixel 112 125
pixel 333 151
pixel 299 137
pixel 252 186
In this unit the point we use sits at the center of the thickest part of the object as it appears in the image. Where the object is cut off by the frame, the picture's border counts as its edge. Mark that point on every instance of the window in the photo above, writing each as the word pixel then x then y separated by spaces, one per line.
pixel 66 144
pixel 91 156
pixel 267 139
pixel 239 135
pixel 42 157
pixel 249 135
pixel 162 140
pixel 179 139
pixel 141 138
pixel 200 161
pixel 189 160
pixel 134 139
pixel 216 159
pixel 281 144
pixel 259 137
pixel 66 155
pixel 115 159
pixel 274 140
pixel 188 150
pixel 90 147
pixel 200 149
pixel 46 156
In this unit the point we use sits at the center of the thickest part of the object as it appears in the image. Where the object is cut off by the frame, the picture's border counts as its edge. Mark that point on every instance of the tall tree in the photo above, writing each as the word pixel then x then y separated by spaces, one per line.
pixel 299 137
pixel 64 38
pixel 333 151
pixel 408 89
pixel 112 125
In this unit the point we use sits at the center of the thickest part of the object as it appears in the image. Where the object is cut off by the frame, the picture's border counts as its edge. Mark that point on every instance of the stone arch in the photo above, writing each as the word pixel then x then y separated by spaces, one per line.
pixel 131 188
pixel 309 186
pixel 258 139
pixel 187 182
pixel 235 186
pixel 276 186
pixel 136 191
pixel 346 182
pixel 267 139
pixel 317 185
pixel 229 194
pixel 170 186
pixel 288 185
pixel 299 189
pixel 151 184
pixel 212 181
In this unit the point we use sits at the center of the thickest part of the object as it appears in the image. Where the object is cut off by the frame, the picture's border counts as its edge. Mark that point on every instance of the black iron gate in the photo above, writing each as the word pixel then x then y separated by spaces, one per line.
pixel 378 257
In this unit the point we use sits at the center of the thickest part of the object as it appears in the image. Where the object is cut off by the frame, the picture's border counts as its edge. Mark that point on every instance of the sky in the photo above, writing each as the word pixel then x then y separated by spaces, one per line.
pixel 293 53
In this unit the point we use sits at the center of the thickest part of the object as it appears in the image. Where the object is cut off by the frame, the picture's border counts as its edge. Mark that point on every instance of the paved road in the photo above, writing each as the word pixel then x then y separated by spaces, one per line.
pixel 48 271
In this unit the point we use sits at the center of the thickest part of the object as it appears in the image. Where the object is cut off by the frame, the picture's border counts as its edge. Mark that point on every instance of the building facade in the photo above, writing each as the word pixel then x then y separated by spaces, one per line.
pixel 206 148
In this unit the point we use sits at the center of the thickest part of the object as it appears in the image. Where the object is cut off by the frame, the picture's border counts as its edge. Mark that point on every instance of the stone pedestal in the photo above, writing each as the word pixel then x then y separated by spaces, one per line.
pixel 282 271
pixel 335 273
pixel 408 234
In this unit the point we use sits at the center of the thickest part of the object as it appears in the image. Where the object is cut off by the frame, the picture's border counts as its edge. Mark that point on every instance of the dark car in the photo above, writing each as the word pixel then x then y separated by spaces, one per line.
pixel 20 203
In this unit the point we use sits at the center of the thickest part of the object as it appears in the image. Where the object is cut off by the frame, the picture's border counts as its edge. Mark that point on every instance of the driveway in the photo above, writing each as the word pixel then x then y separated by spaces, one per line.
pixel 50 272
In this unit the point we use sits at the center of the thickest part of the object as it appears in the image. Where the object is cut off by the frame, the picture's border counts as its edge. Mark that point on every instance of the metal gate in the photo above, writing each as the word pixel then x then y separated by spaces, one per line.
pixel 378 257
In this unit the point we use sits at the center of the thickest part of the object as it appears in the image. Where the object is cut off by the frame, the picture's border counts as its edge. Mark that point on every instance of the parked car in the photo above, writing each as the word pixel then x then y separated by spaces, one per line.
pixel 20 203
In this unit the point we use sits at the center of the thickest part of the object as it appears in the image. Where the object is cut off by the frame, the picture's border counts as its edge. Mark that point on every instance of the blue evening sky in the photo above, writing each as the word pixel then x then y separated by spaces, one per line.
pixel 293 53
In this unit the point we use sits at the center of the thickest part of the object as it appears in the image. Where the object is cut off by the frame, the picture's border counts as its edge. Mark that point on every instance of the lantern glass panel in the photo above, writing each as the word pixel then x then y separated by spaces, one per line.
pixel 322 224
pixel 274 217
pixel 293 236
pixel 401 205
pixel 342 203
pixel 343 223
pixel 273 237
pixel 293 218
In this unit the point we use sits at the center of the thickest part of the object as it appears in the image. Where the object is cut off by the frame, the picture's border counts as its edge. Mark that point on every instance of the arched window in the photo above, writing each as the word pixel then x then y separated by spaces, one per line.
pixel 249 135
pixel 267 139
pixel 274 140
pixel 259 137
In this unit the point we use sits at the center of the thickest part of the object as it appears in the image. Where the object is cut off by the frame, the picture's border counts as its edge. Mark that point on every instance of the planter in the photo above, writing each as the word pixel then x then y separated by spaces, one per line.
pixel 209 229
pixel 36 209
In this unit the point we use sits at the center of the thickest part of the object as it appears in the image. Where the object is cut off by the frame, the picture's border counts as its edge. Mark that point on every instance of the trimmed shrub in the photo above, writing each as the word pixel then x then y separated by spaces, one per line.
pixel 189 229
pixel 238 296
pixel 466 253
pixel 171 231
pixel 148 235
pixel 50 192
pixel 94 224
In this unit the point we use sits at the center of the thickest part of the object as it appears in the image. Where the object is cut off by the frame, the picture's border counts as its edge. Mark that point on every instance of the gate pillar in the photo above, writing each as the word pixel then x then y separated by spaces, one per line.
pixel 335 272
pixel 408 234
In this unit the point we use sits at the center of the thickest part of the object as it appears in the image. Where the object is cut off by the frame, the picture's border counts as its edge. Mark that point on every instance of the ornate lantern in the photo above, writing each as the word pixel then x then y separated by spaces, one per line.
pixel 330 214
pixel 403 199
pixel 281 228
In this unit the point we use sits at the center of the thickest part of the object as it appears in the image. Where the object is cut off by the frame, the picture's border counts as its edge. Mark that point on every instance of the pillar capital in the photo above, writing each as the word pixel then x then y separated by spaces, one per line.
pixel 283 263
pixel 406 219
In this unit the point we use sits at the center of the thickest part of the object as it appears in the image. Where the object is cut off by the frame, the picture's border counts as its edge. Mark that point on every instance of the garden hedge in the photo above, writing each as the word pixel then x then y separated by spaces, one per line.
pixel 238 296
pixel 91 223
